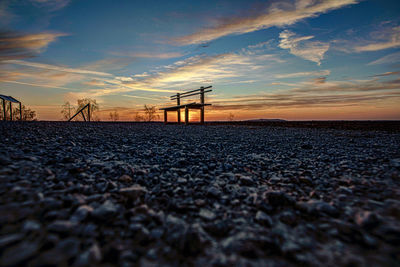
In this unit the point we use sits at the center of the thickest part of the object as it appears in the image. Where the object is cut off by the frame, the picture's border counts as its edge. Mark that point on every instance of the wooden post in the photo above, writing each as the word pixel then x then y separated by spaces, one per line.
pixel 83 115
pixel 202 103
pixel 11 117
pixel 88 112
pixel 186 115
pixel 20 111
pixel 165 117
pixel 4 110
pixel 178 103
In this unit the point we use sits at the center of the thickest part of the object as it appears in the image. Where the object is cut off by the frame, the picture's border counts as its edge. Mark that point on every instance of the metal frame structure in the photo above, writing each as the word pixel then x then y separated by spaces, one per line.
pixel 189 106
pixel 11 100
pixel 81 111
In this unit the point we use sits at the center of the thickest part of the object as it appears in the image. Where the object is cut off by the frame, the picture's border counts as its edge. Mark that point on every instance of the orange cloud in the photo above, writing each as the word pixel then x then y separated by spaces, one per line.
pixel 15 45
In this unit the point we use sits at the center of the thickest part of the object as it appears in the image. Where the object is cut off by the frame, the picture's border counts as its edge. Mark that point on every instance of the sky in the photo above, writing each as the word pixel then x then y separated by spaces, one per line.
pixel 293 60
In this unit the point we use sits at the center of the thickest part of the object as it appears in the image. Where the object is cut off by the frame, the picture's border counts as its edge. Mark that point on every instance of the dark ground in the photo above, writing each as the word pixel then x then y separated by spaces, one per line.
pixel 142 194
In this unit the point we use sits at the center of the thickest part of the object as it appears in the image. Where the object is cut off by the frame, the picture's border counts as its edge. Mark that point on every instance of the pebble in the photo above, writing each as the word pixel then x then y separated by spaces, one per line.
pixel 263 218
pixel 207 214
pixel 106 211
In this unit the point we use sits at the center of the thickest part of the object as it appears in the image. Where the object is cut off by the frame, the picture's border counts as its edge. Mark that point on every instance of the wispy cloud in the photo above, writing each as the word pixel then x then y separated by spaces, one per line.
pixel 388 59
pixel 392 40
pixel 304 74
pixel 150 55
pixel 5 15
pixel 51 5
pixel 301 46
pixel 108 64
pixel 36 85
pixel 14 45
pixel 389 73
pixel 278 14
pixel 55 67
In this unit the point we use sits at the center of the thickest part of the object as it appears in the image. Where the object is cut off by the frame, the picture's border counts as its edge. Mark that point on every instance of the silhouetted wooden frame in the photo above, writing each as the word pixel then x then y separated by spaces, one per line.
pixel 11 100
pixel 200 106
pixel 81 112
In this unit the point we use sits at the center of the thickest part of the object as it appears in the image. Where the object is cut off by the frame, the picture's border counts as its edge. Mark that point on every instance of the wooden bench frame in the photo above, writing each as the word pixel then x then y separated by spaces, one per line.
pixel 189 106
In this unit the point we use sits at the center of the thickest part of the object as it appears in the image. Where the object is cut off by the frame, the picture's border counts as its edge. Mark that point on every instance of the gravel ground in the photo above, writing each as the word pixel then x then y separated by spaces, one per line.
pixel 147 194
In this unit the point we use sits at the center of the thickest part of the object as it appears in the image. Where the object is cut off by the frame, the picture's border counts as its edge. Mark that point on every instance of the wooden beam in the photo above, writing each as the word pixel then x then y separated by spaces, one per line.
pixel 20 111
pixel 78 112
pixel 207 91
pixel 186 115
pixel 83 115
pixel 4 110
pixel 88 112
pixel 178 102
pixel 11 116
pixel 165 117
pixel 188 92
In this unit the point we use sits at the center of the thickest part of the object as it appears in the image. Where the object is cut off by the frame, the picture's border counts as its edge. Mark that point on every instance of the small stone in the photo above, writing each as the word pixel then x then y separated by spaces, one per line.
pixel 7 240
pixel 82 213
pixel 182 180
pixel 213 192
pixel 317 207
pixel 125 178
pixel 18 254
pixel 194 241
pixel 106 211
pixel 288 217
pixel 246 181
pixel 367 219
pixel 277 199
pixel 61 226
pixel 305 180
pixel 133 192
pixel 263 218
pixel 200 202
pixel 307 146
pixel 140 233
pixel 95 253
pixel 207 215
pixel 344 190
pixel 31 226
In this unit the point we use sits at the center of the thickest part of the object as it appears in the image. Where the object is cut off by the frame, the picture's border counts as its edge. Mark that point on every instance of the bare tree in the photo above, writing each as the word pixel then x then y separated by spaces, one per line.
pixel 138 117
pixel 150 113
pixel 114 116
pixel 231 116
pixel 67 110
pixel 27 114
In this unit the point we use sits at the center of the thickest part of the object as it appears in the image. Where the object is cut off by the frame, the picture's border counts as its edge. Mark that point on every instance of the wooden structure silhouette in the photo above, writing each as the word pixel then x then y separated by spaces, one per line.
pixel 11 100
pixel 81 111
pixel 189 106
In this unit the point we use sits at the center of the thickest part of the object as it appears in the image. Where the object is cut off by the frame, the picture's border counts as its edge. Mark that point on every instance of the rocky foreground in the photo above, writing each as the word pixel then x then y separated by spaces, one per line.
pixel 147 194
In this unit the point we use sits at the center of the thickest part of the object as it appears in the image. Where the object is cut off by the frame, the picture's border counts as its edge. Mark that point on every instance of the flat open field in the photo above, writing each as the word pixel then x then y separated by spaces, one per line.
pixel 141 194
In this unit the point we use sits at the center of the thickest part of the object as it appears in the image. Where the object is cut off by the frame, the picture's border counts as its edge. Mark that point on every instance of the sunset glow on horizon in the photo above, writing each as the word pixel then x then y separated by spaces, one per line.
pixel 293 60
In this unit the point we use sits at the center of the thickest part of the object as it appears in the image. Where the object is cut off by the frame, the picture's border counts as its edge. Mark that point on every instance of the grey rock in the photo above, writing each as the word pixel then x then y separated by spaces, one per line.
pixel 133 192
pixel 106 211
pixel 207 214
pixel 20 253
pixel 61 226
pixel 263 218
pixel 81 213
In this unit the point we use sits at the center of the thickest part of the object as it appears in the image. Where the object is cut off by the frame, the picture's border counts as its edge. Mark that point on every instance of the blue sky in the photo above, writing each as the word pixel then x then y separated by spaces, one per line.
pixel 296 60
